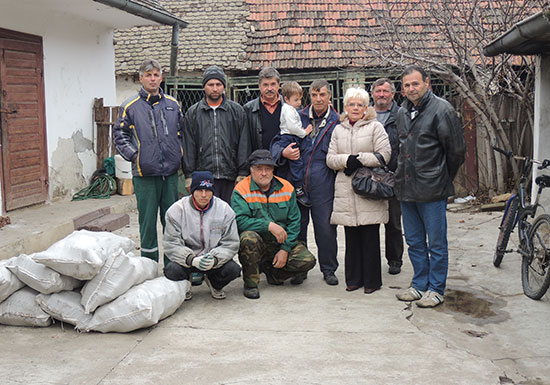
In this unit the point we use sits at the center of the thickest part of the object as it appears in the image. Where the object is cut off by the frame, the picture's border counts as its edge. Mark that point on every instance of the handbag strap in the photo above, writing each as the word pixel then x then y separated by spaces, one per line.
pixel 382 161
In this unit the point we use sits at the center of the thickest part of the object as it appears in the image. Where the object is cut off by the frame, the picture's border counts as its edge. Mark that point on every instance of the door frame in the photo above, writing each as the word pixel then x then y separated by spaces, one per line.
pixel 32 41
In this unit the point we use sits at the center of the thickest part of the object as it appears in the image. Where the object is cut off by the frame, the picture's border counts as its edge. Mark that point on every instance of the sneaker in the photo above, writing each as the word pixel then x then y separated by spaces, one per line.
pixel 430 299
pixel 215 293
pixel 411 294
pixel 299 279
pixel 189 294
pixel 302 198
pixel 394 268
pixel 196 278
pixel 330 279
pixel 251 292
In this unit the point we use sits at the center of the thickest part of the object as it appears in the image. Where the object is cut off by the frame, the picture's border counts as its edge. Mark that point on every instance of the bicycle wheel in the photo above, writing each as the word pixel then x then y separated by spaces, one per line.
pixel 506 228
pixel 535 267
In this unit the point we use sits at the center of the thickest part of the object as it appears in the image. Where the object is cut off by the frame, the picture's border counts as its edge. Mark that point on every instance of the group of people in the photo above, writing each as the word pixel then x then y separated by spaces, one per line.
pixel 257 173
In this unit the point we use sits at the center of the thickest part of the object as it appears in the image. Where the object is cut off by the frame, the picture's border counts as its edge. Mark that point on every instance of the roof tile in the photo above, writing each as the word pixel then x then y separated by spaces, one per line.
pixel 243 35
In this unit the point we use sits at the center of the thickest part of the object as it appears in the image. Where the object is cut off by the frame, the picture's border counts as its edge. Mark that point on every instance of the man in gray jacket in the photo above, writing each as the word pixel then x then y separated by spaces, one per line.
pixel 431 150
pixel 201 236
pixel 216 136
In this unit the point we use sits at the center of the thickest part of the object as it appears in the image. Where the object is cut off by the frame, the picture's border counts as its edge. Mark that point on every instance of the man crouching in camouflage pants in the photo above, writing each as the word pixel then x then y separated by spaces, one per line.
pixel 268 220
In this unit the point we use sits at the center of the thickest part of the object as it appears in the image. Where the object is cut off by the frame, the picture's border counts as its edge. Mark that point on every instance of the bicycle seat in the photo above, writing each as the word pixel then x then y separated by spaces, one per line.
pixel 543 180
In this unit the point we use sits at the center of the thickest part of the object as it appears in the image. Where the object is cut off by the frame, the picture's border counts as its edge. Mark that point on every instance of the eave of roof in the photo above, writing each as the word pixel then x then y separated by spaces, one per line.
pixel 530 36
pixel 146 9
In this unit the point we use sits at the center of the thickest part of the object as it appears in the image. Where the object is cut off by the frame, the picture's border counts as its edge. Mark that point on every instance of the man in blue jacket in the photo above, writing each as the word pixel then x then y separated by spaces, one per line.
pixel 318 178
pixel 148 134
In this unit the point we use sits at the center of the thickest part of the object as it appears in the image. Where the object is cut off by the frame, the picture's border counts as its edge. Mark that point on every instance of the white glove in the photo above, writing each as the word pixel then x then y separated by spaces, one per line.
pixel 204 262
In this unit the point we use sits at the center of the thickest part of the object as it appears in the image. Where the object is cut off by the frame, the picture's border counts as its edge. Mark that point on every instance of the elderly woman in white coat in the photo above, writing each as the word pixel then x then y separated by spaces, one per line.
pixel 353 144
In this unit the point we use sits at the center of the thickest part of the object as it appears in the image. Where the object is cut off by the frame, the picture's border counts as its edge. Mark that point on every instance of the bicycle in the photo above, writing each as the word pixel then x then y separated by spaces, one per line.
pixel 534 237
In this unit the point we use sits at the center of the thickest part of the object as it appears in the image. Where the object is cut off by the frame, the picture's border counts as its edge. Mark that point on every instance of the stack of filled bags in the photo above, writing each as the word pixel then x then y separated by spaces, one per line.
pixel 90 280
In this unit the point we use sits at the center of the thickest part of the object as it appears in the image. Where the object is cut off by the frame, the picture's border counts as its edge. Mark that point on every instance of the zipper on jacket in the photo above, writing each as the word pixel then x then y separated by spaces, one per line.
pixel 216 145
pixel 153 124
pixel 202 232
pixel 163 120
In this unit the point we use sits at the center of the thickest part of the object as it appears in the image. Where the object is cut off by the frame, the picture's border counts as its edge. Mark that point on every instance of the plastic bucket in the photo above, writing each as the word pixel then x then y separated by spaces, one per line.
pixel 123 168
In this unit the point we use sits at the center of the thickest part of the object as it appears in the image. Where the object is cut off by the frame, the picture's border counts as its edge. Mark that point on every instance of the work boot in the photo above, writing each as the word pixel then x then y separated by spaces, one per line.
pixel 330 279
pixel 394 267
pixel 251 292
pixel 298 279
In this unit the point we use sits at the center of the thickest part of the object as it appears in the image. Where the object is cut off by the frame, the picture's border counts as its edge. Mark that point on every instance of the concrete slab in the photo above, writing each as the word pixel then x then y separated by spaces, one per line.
pixel 487 332
pixel 35 228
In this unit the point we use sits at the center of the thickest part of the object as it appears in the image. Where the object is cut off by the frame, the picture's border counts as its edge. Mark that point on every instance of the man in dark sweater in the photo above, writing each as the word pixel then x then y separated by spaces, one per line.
pixel 264 113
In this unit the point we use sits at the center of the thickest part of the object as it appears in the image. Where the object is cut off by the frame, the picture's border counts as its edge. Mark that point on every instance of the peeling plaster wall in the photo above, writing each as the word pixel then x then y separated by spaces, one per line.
pixel 78 67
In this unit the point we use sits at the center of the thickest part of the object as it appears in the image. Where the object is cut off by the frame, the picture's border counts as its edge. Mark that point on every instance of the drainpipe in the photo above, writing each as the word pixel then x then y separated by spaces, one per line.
pixel 174 50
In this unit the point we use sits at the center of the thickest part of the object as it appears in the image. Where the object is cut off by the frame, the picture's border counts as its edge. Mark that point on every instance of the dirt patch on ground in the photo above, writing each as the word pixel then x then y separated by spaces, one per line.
pixel 4 221
pixel 475 307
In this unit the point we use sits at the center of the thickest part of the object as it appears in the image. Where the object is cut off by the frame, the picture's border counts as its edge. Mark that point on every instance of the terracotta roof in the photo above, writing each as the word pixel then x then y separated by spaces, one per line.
pixel 243 35
pixel 302 34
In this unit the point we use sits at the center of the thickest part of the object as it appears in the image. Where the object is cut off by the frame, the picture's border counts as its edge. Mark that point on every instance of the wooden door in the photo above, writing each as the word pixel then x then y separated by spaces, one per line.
pixel 23 163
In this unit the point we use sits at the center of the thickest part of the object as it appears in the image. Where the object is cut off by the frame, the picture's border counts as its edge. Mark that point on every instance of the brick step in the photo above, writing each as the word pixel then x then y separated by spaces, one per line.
pixel 108 222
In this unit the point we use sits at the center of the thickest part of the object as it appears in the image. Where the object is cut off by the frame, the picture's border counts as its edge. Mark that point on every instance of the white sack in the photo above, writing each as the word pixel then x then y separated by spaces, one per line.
pixel 120 272
pixel 82 253
pixel 64 306
pixel 21 309
pixel 141 306
pixel 9 283
pixel 40 277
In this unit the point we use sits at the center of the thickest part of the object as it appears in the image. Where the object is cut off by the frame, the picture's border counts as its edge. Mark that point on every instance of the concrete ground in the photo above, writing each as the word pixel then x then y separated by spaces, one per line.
pixel 487 331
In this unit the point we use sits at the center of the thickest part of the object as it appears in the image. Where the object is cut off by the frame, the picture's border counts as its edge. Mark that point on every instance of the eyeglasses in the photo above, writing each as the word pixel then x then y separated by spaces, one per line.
pixel 358 105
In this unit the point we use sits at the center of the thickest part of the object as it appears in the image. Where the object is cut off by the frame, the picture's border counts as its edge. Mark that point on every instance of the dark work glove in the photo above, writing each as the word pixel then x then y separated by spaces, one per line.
pixel 352 164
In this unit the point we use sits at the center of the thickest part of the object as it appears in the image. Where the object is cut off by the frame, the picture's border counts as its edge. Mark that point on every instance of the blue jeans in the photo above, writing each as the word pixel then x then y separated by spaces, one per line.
pixel 425 225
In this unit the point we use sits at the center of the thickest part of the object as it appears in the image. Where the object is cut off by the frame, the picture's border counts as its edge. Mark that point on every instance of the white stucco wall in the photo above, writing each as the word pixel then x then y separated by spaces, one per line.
pixel 541 130
pixel 78 66
pixel 126 87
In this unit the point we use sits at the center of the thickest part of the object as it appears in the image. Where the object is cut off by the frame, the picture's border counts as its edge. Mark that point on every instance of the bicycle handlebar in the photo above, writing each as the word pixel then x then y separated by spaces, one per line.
pixel 509 154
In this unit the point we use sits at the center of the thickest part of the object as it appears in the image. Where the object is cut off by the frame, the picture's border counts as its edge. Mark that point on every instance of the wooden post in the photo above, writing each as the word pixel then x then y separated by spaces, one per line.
pixel 105 118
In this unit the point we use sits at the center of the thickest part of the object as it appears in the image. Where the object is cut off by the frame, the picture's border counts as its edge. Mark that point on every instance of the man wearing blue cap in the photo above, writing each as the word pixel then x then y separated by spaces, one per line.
pixel 201 236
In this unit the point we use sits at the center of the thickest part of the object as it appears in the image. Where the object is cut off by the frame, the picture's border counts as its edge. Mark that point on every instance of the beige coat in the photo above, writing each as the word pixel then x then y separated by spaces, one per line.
pixel 363 138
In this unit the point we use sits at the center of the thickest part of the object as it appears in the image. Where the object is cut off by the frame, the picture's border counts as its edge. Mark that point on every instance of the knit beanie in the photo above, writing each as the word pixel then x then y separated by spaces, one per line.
pixel 202 180
pixel 213 72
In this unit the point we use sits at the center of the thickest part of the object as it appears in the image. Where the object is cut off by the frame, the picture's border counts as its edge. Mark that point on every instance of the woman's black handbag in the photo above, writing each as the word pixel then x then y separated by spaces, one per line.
pixel 374 182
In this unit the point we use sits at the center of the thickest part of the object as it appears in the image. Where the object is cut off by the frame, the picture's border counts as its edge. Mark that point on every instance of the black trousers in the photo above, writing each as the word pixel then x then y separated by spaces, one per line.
pixel 394 233
pixel 219 277
pixel 224 190
pixel 363 267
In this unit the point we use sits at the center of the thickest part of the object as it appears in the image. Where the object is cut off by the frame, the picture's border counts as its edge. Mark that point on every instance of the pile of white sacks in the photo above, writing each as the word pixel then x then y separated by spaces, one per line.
pixel 90 280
